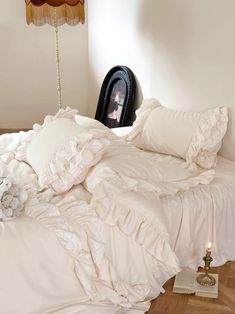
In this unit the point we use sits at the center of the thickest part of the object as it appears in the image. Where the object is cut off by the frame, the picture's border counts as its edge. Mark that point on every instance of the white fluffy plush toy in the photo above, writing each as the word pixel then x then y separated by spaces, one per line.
pixel 12 199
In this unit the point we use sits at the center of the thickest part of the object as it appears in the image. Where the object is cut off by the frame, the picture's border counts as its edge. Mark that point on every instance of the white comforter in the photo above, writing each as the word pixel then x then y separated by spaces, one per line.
pixel 101 251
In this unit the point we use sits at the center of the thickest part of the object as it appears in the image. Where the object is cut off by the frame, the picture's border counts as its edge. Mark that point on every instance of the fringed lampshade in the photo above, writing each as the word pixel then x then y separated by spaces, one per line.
pixel 55 13
pixel 40 12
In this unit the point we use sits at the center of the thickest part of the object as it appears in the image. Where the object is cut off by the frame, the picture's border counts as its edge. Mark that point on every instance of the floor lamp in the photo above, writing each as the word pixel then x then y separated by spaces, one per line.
pixel 55 13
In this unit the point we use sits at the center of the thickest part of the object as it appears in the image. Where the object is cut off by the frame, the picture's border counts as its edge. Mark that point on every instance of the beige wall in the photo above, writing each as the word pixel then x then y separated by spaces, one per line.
pixel 28 71
pixel 181 51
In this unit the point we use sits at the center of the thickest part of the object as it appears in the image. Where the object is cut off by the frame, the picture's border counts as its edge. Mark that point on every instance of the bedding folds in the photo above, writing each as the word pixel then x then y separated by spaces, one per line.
pixel 202 214
pixel 194 206
pixel 104 246
pixel 89 242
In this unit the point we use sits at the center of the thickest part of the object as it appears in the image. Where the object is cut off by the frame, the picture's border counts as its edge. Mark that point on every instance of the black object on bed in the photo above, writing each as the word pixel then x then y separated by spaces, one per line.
pixel 117 97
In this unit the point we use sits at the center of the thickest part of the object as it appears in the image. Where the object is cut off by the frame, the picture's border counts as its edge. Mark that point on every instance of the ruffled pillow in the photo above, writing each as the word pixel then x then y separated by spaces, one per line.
pixel 22 148
pixel 62 153
pixel 194 136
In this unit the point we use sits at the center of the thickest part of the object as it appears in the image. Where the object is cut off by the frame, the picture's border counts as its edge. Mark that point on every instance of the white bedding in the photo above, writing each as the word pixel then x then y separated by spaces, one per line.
pixel 94 246
pixel 109 250
pixel 192 213
pixel 122 130
pixel 202 214
pixel 205 213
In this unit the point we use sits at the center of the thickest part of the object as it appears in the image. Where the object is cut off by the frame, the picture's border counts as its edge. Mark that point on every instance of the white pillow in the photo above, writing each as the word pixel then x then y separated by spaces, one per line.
pixel 62 152
pixel 88 122
pixel 22 148
pixel 193 136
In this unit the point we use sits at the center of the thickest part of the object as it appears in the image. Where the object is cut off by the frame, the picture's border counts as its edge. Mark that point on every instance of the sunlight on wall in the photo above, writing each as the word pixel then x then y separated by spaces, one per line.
pixel 182 52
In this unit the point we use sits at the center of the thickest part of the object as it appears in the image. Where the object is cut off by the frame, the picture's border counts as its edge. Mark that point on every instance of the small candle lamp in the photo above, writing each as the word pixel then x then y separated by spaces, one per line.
pixel 206 279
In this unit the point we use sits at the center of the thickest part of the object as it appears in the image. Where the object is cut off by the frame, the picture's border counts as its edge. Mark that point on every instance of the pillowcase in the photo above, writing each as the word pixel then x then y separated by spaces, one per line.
pixel 89 122
pixel 22 148
pixel 62 153
pixel 193 136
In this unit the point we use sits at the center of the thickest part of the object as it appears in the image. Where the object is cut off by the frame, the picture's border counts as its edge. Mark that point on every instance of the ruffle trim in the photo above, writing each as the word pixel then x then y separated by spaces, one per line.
pixel 142 114
pixel 82 234
pixel 151 236
pixel 205 144
pixel 69 165
pixel 162 188
pixel 208 139
pixel 62 113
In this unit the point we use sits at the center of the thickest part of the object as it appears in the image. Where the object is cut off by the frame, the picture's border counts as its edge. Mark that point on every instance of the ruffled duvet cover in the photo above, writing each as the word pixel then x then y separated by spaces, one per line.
pixel 98 248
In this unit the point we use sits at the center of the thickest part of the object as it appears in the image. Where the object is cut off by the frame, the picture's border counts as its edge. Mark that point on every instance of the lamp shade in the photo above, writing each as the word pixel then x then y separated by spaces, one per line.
pixel 40 12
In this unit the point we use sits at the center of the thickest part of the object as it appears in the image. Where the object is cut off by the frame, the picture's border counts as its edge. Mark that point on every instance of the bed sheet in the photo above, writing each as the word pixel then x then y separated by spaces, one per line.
pixel 202 214
pixel 193 213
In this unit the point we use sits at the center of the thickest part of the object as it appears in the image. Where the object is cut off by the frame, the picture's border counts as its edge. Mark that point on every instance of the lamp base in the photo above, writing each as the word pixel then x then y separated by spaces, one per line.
pixel 206 280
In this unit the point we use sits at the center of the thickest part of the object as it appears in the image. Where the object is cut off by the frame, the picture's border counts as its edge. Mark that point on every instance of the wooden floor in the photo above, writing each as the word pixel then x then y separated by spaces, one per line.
pixel 171 303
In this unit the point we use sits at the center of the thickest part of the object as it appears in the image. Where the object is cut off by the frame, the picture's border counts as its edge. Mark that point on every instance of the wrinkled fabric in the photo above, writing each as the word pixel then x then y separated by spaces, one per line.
pixel 114 244
pixel 141 171
pixel 203 214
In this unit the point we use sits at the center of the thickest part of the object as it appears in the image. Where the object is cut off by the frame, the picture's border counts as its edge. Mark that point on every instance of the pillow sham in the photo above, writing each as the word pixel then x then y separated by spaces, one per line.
pixel 62 153
pixel 22 147
pixel 88 122
pixel 194 136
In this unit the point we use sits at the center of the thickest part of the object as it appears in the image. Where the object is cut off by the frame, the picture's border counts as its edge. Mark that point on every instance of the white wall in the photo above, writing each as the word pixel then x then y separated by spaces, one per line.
pixel 182 52
pixel 28 70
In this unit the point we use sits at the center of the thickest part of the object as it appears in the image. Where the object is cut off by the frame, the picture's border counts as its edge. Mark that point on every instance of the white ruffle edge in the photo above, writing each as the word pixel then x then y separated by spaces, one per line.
pixel 205 144
pixel 70 165
pixel 142 114
pixel 142 185
pixel 122 213
pixel 82 233
pixel 22 148
pixel 208 139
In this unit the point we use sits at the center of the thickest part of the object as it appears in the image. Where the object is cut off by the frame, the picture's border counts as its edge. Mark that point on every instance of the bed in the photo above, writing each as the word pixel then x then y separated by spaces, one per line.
pixel 106 242
pixel 204 213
